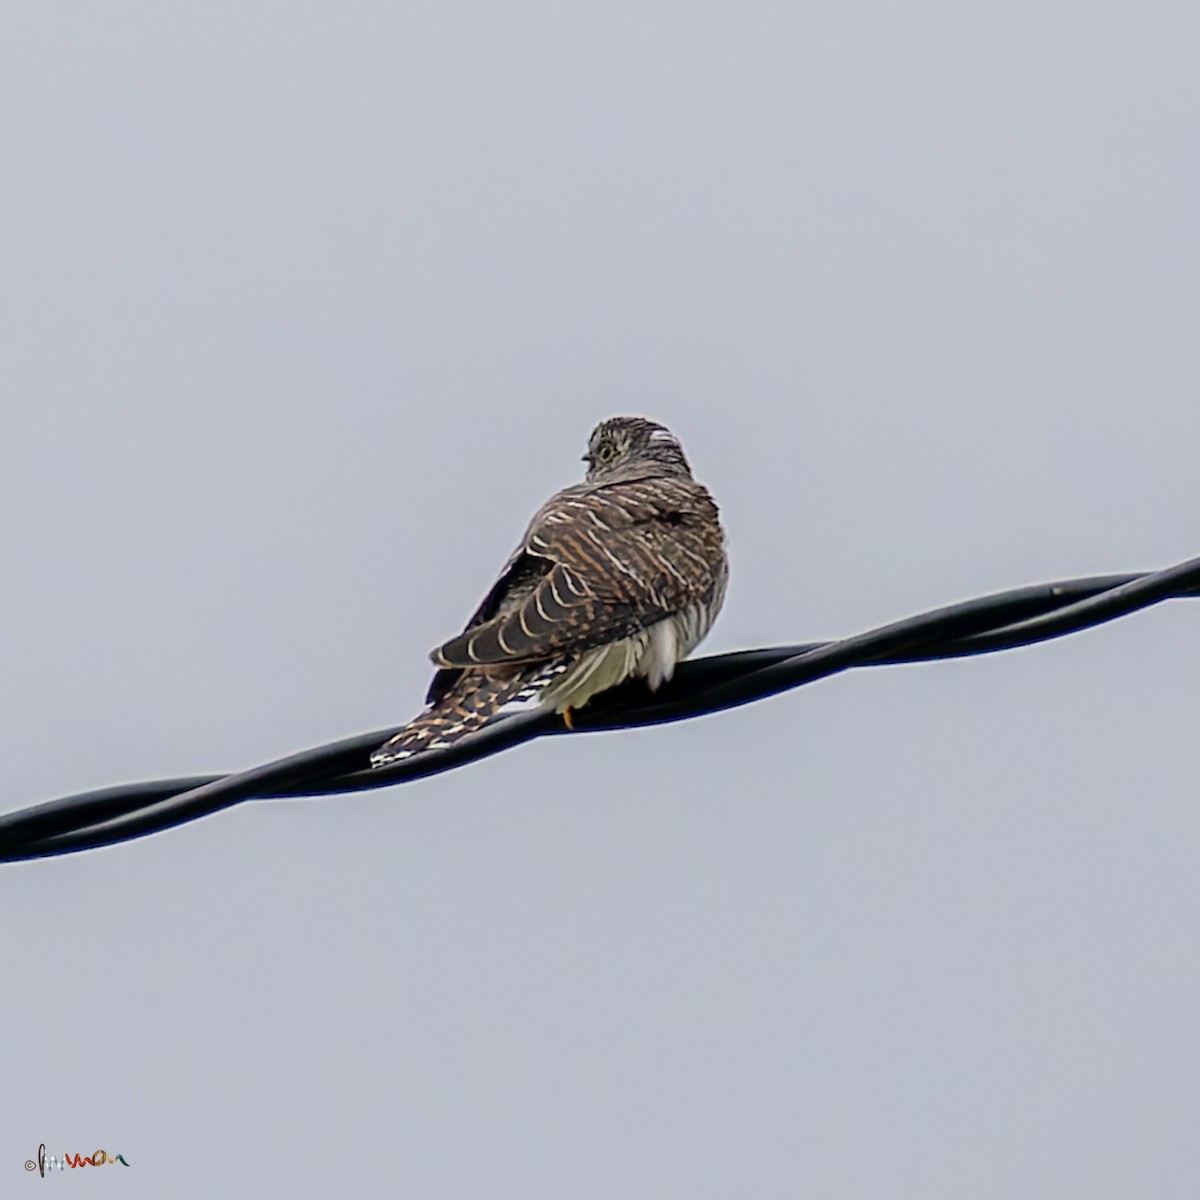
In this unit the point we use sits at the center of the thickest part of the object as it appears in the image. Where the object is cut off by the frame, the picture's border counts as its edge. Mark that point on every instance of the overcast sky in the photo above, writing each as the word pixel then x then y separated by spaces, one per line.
pixel 306 308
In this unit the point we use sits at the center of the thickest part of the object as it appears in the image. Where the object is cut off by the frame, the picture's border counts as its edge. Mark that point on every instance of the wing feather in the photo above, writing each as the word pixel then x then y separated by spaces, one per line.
pixel 595 565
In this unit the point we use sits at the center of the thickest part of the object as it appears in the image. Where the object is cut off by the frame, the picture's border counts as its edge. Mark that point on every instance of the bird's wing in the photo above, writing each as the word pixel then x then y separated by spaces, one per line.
pixel 596 565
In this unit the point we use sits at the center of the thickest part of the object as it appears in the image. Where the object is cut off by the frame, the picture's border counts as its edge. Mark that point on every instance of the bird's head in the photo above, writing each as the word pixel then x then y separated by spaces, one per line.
pixel 627 447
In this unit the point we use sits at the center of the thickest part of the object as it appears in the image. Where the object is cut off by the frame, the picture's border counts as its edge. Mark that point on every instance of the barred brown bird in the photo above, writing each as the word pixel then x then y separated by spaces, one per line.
pixel 620 576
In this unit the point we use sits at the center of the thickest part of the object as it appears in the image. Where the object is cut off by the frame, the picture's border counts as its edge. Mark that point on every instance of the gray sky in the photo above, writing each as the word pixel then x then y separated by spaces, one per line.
pixel 307 307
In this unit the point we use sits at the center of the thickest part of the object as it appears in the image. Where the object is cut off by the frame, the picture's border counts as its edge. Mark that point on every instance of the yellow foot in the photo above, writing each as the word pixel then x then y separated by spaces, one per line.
pixel 568 720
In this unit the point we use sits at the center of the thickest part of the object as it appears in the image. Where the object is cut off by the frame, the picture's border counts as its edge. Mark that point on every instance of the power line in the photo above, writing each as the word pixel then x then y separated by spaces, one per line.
pixel 1001 621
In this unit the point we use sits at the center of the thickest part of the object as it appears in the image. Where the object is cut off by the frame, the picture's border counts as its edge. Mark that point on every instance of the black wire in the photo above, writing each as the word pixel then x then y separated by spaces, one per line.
pixel 1002 621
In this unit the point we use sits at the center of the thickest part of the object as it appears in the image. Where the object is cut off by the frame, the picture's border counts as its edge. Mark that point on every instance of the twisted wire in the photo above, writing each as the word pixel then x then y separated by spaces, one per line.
pixel 1002 621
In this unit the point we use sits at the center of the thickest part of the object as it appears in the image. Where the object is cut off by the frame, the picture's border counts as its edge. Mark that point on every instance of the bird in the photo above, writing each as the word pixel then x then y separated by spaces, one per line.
pixel 618 577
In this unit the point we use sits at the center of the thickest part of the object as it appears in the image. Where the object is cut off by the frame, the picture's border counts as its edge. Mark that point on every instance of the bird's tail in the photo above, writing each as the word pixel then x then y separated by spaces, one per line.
pixel 476 699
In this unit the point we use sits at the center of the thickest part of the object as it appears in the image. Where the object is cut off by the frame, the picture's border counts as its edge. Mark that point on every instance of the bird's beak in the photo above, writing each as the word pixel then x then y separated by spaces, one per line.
pixel 587 458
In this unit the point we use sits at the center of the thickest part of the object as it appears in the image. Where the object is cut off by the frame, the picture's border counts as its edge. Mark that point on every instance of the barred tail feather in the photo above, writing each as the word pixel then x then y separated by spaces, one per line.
pixel 476 699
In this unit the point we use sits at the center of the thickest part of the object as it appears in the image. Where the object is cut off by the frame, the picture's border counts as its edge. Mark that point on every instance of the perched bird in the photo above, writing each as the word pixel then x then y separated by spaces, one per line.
pixel 616 577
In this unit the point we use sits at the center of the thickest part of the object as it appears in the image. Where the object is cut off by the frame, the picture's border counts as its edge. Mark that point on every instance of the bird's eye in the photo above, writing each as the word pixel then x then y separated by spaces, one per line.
pixel 606 452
